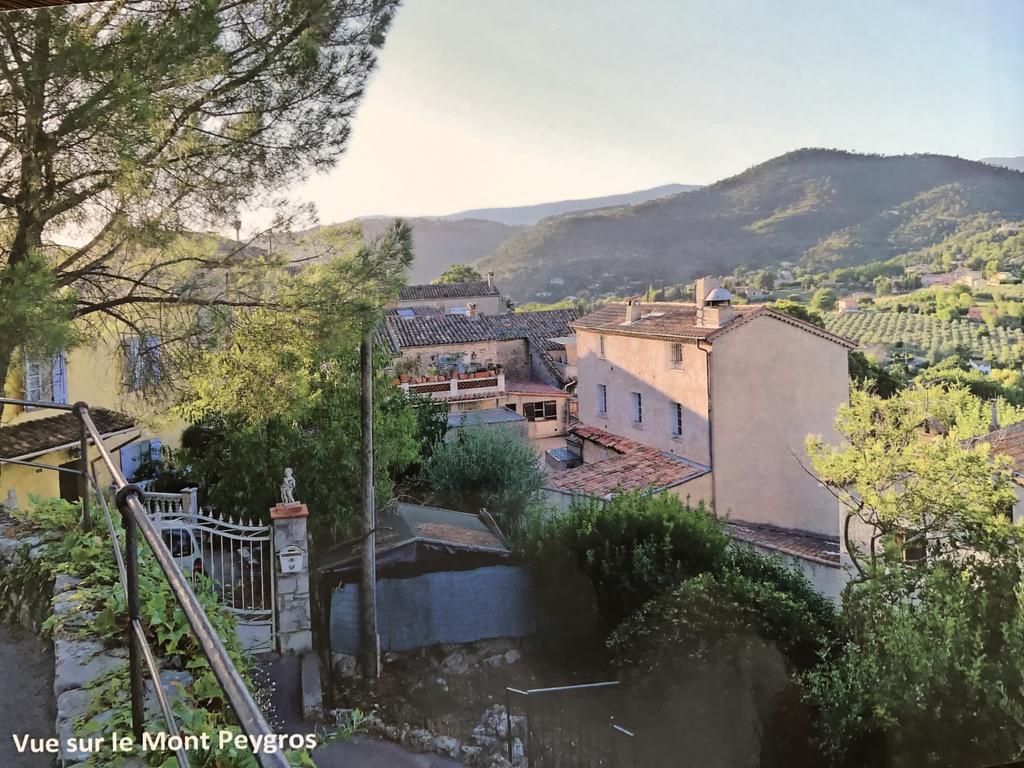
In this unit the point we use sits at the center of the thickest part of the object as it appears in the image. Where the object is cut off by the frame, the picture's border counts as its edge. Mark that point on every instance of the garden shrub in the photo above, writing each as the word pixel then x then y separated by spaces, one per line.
pixel 492 468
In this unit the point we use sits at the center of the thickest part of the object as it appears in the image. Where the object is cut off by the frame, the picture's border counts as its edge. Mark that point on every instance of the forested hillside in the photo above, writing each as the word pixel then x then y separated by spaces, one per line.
pixel 814 206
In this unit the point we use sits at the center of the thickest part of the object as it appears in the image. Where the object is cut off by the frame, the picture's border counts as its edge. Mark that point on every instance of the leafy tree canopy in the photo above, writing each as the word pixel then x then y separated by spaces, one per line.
pixel 459 273
pixel 127 125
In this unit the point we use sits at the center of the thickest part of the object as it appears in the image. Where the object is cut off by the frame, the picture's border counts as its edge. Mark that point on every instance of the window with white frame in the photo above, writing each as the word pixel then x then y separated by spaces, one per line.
pixel 46 379
pixel 141 362
pixel 677 419
pixel 543 411
pixel 675 355
pixel 638 408
pixel 602 400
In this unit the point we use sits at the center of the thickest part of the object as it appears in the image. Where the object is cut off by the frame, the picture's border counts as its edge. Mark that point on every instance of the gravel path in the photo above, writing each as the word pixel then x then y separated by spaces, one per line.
pixel 26 696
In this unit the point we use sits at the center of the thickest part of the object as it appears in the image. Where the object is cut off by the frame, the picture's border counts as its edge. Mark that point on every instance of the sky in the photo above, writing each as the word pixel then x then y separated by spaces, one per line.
pixel 480 103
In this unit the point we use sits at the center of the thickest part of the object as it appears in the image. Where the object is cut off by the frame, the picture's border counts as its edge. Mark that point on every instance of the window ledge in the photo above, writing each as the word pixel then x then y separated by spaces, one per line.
pixel 638 425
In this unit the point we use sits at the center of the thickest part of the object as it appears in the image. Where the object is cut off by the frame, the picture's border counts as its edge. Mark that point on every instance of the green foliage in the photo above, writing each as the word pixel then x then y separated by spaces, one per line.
pixel 928 333
pixel 142 121
pixel 710 620
pixel 907 480
pixel 201 707
pixel 823 300
pixel 492 468
pixel 797 310
pixel 458 273
pixel 867 375
pixel 928 668
pixel 618 555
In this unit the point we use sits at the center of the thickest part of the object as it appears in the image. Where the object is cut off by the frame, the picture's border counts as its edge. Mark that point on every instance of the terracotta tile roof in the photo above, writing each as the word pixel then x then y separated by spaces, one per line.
pixel 537 328
pixel 467 290
pixel 605 439
pixel 637 467
pixel 434 330
pixel 534 388
pixel 644 469
pixel 810 546
pixel 1008 441
pixel 679 320
pixel 54 431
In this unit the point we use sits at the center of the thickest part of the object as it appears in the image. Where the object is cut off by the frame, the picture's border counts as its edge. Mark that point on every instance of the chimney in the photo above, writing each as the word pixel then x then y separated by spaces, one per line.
pixel 993 421
pixel 471 309
pixel 702 288
pixel 490 279
pixel 632 310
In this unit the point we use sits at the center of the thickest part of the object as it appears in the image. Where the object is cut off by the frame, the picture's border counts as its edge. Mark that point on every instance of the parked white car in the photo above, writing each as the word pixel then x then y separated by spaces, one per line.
pixel 184 547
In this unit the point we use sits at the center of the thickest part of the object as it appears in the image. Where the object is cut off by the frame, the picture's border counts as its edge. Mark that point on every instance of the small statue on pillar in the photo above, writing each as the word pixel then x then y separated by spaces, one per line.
pixel 288 487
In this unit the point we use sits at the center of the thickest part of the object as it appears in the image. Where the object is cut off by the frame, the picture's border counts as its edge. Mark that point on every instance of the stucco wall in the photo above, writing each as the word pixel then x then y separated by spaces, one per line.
pixel 633 364
pixel 773 384
pixel 829 580
pixel 485 305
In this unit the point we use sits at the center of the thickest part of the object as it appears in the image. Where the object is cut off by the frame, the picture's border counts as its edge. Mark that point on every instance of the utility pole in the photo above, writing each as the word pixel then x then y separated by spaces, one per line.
pixel 368 586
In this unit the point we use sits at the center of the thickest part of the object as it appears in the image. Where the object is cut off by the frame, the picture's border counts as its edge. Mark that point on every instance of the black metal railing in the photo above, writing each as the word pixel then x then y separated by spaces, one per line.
pixel 562 727
pixel 141 660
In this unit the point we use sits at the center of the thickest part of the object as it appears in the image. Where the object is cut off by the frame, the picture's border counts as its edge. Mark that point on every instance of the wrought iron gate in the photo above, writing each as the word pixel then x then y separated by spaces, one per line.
pixel 237 557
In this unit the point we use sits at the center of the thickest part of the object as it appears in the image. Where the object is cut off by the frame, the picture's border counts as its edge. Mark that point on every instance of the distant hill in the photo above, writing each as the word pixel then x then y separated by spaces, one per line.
pixel 439 243
pixel 531 214
pixel 816 206
pixel 1016 163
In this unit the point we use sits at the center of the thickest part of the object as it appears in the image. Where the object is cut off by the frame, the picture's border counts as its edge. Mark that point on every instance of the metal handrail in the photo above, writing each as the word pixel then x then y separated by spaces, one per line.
pixel 128 500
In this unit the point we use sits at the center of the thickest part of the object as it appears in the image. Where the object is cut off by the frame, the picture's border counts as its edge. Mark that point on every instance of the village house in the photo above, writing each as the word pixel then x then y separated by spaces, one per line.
pixel 451 298
pixel 712 402
pixel 491 365
pixel 110 374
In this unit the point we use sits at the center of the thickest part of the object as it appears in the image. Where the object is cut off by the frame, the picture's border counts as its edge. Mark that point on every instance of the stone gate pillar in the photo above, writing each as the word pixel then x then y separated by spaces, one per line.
pixel 291 578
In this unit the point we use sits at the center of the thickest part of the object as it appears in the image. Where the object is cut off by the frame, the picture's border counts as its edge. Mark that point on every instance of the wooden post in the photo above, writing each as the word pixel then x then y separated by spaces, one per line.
pixel 370 642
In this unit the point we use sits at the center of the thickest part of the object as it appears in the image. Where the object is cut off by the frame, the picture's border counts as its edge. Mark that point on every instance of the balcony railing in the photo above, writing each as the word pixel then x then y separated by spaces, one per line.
pixel 442 388
pixel 141 660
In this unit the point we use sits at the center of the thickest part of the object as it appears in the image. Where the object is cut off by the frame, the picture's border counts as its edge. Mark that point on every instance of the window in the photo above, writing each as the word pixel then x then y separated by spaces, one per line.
pixel 638 408
pixel 600 345
pixel 406 313
pixel 677 419
pixel 544 411
pixel 136 456
pixel 141 362
pixel 602 399
pixel 178 541
pixel 46 379
pixel 675 355
pixel 458 310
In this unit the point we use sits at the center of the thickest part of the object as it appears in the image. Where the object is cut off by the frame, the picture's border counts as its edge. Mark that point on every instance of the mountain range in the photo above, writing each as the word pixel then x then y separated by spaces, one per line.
pixel 525 215
pixel 820 207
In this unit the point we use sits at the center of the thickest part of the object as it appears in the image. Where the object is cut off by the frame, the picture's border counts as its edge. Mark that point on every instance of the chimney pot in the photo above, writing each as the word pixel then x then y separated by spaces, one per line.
pixel 490 279
pixel 993 423
pixel 471 309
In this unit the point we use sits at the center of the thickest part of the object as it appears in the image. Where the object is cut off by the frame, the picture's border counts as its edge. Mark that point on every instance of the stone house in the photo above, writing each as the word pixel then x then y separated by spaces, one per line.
pixel 712 402
pixel 451 298
pixel 513 361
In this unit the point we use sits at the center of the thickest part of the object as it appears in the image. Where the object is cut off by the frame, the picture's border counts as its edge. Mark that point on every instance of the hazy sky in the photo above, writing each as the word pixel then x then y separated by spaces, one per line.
pixel 508 102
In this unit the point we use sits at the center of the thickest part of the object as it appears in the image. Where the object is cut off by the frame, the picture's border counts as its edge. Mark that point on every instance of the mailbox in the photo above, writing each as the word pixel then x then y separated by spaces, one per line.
pixel 291 559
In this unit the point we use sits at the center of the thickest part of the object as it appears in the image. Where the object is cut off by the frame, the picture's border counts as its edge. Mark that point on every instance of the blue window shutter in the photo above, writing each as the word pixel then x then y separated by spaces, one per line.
pixel 60 378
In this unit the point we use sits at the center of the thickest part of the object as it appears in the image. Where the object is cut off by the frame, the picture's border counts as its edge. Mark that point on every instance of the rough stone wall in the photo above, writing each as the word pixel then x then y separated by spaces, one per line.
pixel 294 623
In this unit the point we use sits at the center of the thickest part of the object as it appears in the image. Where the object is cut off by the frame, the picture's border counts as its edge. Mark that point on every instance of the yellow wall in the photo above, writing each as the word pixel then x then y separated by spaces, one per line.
pixel 95 375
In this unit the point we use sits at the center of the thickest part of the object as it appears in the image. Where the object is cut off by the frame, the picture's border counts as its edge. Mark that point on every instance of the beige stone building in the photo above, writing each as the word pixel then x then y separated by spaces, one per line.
pixel 507 369
pixel 719 399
